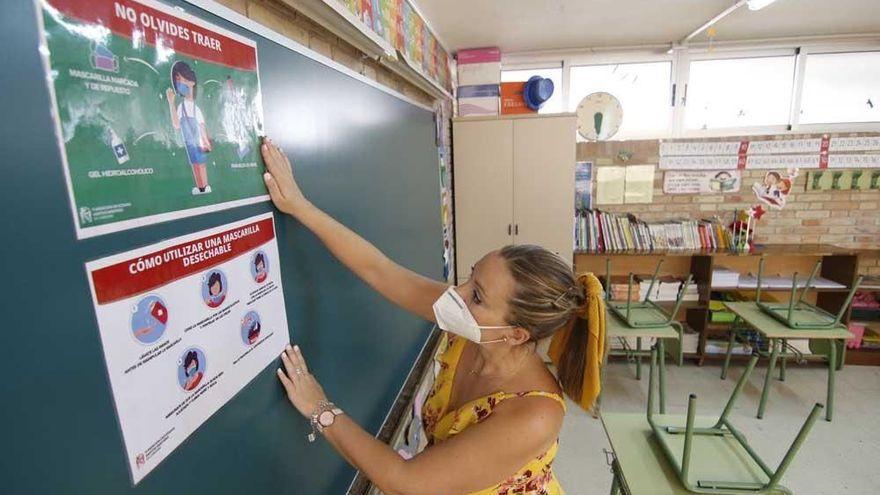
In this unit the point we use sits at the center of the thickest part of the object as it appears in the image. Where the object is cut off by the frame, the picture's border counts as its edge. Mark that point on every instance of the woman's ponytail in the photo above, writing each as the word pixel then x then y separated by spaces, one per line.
pixel 549 300
pixel 579 348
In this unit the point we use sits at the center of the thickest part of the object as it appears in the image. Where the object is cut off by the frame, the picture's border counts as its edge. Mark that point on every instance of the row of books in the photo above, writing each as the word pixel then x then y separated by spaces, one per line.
pixel 600 231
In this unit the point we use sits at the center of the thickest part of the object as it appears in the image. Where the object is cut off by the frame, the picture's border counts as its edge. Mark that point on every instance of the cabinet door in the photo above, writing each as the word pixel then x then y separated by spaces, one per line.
pixel 483 189
pixel 543 183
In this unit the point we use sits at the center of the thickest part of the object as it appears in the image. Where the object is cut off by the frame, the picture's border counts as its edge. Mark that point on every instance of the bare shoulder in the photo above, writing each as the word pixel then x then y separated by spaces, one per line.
pixel 534 419
pixel 539 413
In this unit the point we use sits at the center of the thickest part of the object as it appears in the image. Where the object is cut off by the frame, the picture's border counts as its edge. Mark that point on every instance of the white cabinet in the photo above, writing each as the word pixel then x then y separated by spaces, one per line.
pixel 513 184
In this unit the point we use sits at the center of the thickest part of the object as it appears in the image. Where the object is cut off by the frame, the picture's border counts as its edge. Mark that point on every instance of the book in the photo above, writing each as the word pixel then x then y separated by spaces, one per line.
pixel 603 232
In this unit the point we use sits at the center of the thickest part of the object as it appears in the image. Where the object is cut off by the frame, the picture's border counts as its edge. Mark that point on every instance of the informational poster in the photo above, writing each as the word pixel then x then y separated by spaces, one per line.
pixel 185 324
pixel 610 183
pixel 158 113
pixel 701 181
pixel 639 184
pixel 583 185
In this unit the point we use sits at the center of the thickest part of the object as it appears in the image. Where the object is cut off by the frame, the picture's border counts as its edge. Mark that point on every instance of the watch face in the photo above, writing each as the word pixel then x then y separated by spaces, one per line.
pixel 326 418
pixel 599 116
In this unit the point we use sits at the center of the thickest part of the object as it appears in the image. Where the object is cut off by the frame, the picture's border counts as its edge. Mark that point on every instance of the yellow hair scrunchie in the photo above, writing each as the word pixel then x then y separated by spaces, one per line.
pixel 594 312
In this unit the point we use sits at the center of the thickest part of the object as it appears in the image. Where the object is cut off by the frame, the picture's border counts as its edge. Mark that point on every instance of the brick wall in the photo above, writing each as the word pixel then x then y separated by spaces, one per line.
pixel 844 218
pixel 286 20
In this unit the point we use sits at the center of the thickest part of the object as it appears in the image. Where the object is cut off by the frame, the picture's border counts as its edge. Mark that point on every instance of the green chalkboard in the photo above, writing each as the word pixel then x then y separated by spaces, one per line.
pixel 366 157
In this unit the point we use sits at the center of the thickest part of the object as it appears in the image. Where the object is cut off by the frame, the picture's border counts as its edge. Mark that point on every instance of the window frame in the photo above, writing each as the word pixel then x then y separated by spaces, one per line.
pixel 803 55
pixel 689 56
pixel 595 61
pixel 682 56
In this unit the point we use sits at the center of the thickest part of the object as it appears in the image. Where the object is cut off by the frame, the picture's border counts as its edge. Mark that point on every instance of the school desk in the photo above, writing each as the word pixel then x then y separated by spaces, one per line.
pixel 640 467
pixel 777 335
pixel 616 327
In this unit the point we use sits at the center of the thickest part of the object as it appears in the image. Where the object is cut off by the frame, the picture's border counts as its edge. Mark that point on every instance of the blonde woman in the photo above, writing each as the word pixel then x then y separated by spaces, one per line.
pixel 495 411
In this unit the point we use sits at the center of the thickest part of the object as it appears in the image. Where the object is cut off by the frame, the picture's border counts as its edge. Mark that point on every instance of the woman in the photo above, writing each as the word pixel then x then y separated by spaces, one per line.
pixel 495 411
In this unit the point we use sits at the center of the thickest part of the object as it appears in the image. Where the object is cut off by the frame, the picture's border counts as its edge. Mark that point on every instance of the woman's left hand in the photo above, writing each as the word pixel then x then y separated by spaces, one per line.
pixel 302 388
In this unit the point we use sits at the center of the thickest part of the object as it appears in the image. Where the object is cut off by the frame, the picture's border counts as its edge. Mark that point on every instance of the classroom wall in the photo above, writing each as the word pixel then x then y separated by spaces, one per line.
pixel 288 21
pixel 844 218
pixel 280 17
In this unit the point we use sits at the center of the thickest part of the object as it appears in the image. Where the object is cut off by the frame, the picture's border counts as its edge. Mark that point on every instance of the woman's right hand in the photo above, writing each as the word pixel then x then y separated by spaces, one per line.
pixel 283 189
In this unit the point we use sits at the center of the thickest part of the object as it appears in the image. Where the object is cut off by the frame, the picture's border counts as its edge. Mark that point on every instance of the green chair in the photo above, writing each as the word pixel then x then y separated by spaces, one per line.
pixel 717 459
pixel 646 313
pixel 799 314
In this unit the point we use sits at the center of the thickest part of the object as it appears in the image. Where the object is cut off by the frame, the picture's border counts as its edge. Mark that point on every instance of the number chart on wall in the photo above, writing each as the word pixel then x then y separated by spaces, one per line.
pixel 158 113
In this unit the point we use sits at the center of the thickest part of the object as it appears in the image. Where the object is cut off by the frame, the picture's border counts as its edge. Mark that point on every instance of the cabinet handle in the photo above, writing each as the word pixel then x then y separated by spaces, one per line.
pixel 516 229
pixel 509 232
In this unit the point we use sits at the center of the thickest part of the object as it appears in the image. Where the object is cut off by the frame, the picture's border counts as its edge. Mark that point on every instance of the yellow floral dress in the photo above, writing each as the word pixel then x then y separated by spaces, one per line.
pixel 536 477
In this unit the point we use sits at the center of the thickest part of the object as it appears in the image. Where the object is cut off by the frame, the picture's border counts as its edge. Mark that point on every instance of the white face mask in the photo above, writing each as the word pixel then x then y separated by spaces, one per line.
pixel 454 316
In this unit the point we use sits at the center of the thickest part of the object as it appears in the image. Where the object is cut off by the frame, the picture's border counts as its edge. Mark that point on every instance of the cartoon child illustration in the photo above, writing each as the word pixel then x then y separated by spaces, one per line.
pixel 191 370
pixel 216 294
pixel 260 268
pixel 187 117
pixel 774 189
pixel 723 181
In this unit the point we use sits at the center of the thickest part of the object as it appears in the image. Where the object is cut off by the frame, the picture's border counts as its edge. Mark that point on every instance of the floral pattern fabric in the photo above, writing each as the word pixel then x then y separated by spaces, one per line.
pixel 440 423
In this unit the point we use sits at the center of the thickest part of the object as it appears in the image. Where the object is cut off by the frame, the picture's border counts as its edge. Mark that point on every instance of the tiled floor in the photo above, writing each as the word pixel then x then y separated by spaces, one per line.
pixel 841 457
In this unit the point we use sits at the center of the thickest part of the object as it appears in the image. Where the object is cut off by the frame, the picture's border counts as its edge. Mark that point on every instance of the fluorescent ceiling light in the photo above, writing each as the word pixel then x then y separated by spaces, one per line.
pixel 759 4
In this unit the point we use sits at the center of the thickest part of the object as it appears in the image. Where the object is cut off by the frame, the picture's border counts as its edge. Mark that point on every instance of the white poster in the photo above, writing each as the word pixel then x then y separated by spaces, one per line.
pixel 185 324
pixel 701 182
pixel 639 184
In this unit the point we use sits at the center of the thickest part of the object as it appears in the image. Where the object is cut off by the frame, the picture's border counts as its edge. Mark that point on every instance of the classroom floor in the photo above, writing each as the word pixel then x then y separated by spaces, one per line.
pixel 838 457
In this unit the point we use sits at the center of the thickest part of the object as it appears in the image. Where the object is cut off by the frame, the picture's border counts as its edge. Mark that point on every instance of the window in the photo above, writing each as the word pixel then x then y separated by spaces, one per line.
pixel 841 87
pixel 643 89
pixel 554 104
pixel 739 92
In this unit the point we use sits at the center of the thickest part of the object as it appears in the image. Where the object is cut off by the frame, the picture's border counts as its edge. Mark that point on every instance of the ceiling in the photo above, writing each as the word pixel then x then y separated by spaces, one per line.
pixel 527 25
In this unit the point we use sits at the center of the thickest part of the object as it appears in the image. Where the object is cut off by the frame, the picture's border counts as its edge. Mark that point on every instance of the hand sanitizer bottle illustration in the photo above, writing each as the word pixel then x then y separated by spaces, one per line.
pixel 119 150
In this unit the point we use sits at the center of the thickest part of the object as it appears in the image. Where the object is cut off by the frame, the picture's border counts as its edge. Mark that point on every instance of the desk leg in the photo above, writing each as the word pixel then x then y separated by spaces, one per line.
pixel 784 360
pixel 662 352
pixel 832 369
pixel 615 486
pixel 638 358
pixel 774 354
pixel 680 329
pixel 730 341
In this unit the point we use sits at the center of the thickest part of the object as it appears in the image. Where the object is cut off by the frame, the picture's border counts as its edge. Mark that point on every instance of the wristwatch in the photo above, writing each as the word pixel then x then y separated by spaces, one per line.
pixel 324 415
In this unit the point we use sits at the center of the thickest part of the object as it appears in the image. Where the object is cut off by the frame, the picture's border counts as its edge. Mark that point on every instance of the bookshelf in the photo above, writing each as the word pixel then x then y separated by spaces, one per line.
pixel 840 265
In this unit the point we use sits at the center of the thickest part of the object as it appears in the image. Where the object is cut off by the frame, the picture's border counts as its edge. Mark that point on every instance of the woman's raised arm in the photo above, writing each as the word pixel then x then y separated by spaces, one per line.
pixel 401 286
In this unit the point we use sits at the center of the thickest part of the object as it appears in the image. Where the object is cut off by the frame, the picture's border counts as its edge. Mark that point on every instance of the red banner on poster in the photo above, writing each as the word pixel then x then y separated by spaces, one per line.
pixel 144 273
pixel 138 20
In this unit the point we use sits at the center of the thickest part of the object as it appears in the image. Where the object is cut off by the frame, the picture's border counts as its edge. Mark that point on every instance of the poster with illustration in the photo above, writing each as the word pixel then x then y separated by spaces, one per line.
pixel 185 324
pixel 583 185
pixel 773 190
pixel 701 181
pixel 158 113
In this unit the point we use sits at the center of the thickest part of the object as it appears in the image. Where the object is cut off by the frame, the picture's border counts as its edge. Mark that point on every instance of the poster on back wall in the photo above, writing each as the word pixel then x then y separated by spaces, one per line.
pixel 158 113
pixel 185 324
pixel 701 181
